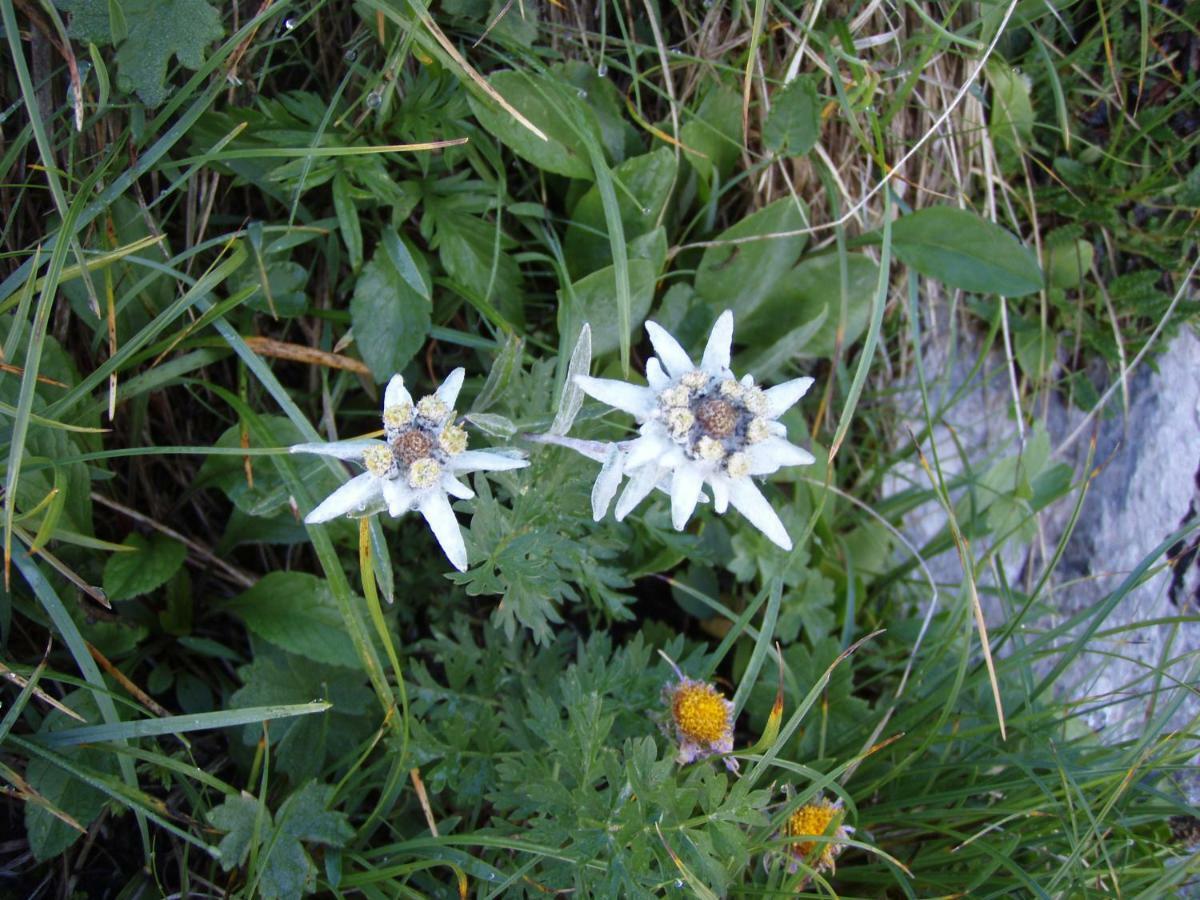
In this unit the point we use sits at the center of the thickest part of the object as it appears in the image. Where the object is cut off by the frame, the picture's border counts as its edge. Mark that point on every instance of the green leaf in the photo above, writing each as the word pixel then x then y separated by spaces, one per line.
pixel 595 303
pixel 643 189
pixel 478 258
pixel 811 291
pixel 715 131
pixel 794 123
pixel 347 217
pixel 551 105
pixel 302 744
pixel 1012 116
pixel 1068 260
pixel 297 611
pixel 48 836
pixel 390 319
pixel 152 562
pixel 157 31
pixel 962 250
pixel 237 816
pixel 306 816
pixel 739 276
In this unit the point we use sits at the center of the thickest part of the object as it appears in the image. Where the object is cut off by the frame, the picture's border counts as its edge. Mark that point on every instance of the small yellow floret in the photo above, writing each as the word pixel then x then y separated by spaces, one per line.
pixel 732 389
pixel 680 422
pixel 676 396
pixel 378 459
pixel 755 400
pixel 424 473
pixel 695 380
pixel 707 448
pixel 813 820
pixel 453 439
pixel 738 465
pixel 431 408
pixel 397 415
pixel 757 431
pixel 700 713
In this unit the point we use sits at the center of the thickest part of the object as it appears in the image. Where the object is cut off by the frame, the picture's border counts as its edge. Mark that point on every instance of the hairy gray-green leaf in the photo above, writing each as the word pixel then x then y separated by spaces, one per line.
pixel 962 250
pixel 151 563
pixel 391 320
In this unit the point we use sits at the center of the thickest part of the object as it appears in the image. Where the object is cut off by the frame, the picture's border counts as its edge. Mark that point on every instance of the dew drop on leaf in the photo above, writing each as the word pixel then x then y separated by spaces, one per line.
pixel 374 99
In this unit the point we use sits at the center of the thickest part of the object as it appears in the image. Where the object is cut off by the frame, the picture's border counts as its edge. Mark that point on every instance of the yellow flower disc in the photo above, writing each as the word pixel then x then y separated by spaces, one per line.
pixel 813 819
pixel 431 408
pixel 700 713
pixel 397 415
pixel 424 473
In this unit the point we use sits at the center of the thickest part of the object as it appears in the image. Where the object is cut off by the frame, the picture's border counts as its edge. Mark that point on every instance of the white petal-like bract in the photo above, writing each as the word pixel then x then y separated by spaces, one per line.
pixel 353 496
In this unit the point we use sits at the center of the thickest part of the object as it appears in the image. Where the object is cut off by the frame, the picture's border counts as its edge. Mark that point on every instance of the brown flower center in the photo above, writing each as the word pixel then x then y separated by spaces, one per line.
pixel 412 445
pixel 717 417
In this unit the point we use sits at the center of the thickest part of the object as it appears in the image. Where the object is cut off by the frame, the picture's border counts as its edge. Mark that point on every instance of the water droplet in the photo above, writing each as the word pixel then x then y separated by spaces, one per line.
pixel 350 55
pixel 582 94
pixel 234 80
pixel 679 883
pixel 374 99
pixel 602 70
pixel 289 24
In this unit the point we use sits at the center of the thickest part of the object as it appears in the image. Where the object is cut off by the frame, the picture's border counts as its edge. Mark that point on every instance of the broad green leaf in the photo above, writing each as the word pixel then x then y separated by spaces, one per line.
pixel 715 131
pixel 595 302
pixel 616 132
pixel 962 250
pixel 303 744
pixel 151 563
pixel 1068 261
pixel 810 291
pixel 158 30
pixel 553 106
pixel 794 123
pixel 643 189
pixel 297 611
pixel 739 276
pixel 285 280
pixel 1012 117
pixel 391 320
pixel 347 217
pixel 478 259
pixel 48 836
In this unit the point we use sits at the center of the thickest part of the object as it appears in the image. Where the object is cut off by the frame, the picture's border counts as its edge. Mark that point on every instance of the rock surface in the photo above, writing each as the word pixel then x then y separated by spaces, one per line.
pixel 1146 488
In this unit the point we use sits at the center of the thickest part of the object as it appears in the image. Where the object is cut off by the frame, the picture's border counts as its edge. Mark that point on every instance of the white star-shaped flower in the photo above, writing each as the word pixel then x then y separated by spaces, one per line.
pixel 415 467
pixel 699 425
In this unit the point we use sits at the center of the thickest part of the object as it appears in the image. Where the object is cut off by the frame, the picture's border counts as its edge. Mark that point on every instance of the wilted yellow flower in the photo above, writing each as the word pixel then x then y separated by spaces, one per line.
pixel 813 820
pixel 701 720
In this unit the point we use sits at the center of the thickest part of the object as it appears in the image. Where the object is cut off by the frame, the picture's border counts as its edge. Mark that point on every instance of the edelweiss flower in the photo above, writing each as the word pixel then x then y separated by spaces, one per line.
pixel 699 425
pixel 813 820
pixel 701 720
pixel 415 467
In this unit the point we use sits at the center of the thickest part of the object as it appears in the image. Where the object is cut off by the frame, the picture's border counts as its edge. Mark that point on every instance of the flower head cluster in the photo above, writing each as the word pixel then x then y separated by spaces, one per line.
pixel 700 720
pixel 813 820
pixel 415 467
pixel 699 425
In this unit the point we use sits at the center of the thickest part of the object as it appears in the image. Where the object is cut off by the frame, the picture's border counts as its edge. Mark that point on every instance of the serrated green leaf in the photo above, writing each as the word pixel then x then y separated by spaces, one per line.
pixel 237 816
pixel 794 123
pixel 306 816
pixel 391 320
pixel 962 250
pixel 297 611
pixel 158 30
pixel 152 562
